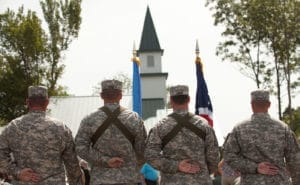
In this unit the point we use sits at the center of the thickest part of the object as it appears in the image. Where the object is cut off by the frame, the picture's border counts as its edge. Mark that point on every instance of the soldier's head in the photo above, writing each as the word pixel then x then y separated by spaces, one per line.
pixel 37 98
pixel 260 101
pixel 111 91
pixel 179 96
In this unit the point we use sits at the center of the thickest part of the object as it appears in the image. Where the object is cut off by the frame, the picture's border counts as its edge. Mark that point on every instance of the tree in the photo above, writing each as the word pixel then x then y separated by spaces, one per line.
pixel 22 54
pixel 63 19
pixel 294 120
pixel 243 42
pixel 123 77
pixel 272 29
pixel 32 55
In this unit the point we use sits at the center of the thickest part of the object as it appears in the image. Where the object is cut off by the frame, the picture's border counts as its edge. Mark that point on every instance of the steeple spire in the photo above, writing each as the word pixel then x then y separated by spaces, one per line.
pixel 149 40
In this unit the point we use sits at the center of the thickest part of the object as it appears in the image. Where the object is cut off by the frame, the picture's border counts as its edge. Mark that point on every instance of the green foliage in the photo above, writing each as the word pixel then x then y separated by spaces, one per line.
pixel 294 120
pixel 31 55
pixel 262 37
pixel 22 59
pixel 63 19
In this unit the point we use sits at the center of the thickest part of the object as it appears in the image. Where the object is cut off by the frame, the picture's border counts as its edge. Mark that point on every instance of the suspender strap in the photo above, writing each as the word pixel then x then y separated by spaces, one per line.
pixel 112 118
pixel 182 121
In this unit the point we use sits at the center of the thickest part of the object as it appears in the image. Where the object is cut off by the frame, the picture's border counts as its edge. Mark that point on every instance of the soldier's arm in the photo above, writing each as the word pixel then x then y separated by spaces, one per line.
pixel 292 156
pixel 6 163
pixel 84 149
pixel 154 156
pixel 233 157
pixel 70 159
pixel 212 151
pixel 140 143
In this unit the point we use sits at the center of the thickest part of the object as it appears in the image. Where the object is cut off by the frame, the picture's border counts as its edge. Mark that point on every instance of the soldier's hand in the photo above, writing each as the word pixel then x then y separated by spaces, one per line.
pixel 267 168
pixel 187 166
pixel 115 162
pixel 28 175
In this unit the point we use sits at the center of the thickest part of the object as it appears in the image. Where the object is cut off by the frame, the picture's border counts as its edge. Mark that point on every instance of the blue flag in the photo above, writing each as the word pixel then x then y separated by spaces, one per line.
pixel 136 87
pixel 203 104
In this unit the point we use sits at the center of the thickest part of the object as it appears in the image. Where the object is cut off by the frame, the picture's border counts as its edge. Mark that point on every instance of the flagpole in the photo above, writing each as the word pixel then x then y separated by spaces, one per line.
pixel 136 84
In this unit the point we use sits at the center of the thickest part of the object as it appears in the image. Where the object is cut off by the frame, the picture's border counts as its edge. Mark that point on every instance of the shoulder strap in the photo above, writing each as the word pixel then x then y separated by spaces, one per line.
pixel 172 133
pixel 182 122
pixel 112 117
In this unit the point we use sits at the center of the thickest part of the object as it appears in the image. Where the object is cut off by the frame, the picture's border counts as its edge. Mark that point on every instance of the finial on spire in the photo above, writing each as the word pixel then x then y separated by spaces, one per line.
pixel 198 59
pixel 197 48
pixel 134 52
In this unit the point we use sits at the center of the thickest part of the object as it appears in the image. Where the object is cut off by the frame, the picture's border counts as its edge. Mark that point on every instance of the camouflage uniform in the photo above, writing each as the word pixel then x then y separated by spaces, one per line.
pixel 41 143
pixel 112 143
pixel 185 145
pixel 263 139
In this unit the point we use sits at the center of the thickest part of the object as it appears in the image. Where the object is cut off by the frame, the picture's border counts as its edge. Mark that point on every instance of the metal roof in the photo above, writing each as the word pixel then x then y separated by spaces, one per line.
pixel 149 41
pixel 72 109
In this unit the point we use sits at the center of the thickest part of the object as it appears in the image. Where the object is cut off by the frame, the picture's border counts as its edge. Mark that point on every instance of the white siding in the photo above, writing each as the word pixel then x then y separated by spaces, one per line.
pixel 154 87
pixel 157 62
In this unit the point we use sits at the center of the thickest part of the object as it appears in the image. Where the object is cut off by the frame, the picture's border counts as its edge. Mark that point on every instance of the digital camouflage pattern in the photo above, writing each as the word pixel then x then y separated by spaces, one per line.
pixel 111 84
pixel 37 92
pixel 260 95
pixel 185 145
pixel 179 90
pixel 263 139
pixel 43 144
pixel 112 143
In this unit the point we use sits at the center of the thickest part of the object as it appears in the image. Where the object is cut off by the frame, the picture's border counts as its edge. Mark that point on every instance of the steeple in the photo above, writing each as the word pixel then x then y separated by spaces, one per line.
pixel 149 41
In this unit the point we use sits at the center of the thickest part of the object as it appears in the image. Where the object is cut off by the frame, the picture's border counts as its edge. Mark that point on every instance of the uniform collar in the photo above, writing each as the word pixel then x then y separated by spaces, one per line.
pixel 181 111
pixel 260 116
pixel 112 106
pixel 35 112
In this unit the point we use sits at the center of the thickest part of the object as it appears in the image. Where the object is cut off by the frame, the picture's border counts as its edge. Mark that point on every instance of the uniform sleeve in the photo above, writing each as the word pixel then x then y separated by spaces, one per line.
pixel 140 143
pixel 84 148
pixel 292 156
pixel 212 151
pixel 233 157
pixel 154 155
pixel 70 159
pixel 6 163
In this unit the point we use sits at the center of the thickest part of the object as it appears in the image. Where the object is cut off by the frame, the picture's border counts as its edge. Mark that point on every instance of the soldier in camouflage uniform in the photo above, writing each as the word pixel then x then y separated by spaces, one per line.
pixel 186 158
pixel 114 159
pixel 42 147
pixel 263 149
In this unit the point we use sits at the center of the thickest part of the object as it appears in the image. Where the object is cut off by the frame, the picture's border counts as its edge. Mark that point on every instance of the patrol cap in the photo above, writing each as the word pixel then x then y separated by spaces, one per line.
pixel 179 90
pixel 260 95
pixel 111 85
pixel 37 92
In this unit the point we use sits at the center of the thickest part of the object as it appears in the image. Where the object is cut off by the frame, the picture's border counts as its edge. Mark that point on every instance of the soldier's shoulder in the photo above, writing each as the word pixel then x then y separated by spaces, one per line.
pixel 94 114
pixel 200 121
pixel 244 124
pixel 279 123
pixel 14 123
pixel 56 123
pixel 164 123
pixel 130 116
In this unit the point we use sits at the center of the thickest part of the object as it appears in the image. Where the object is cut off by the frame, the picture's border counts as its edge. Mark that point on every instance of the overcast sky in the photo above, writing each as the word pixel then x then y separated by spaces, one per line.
pixel 104 48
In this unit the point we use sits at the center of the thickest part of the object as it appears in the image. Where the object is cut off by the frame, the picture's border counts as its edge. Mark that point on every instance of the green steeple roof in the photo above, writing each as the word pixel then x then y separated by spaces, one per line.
pixel 149 41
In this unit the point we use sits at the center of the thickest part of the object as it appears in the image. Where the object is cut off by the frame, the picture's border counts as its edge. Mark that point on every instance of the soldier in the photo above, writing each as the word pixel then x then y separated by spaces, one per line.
pixel 183 146
pixel 112 140
pixel 263 149
pixel 42 147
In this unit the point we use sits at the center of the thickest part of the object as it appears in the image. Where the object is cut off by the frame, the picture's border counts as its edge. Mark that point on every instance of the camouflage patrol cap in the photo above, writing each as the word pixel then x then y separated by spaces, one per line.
pixel 37 92
pixel 179 90
pixel 111 85
pixel 260 95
